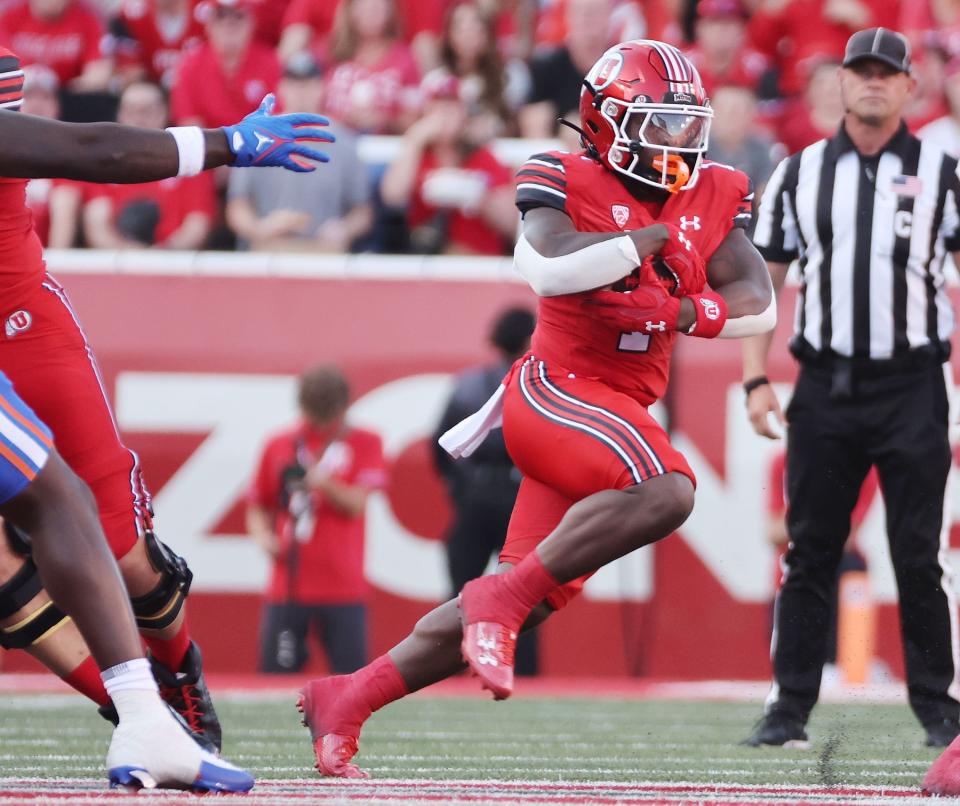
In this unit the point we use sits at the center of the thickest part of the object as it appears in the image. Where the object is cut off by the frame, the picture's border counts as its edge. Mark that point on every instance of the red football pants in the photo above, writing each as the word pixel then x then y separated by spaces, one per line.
pixel 45 354
pixel 572 437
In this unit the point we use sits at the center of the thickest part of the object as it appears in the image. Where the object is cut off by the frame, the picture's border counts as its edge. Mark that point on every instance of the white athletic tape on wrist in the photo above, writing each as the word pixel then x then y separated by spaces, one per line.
pixel 591 267
pixel 192 148
pixel 752 325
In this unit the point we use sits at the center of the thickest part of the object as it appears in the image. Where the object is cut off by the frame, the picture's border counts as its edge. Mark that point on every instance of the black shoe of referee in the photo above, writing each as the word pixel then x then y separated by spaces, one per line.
pixel 778 729
pixel 940 734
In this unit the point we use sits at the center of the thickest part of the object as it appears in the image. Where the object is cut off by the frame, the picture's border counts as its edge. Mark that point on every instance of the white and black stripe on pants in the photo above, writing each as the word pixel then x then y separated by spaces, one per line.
pixel 897 422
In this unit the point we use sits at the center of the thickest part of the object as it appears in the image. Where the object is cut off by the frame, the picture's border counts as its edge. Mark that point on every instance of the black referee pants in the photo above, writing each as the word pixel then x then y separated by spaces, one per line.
pixel 898 423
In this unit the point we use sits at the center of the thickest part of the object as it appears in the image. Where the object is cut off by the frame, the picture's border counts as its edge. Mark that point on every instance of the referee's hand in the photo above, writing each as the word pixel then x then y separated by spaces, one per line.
pixel 761 403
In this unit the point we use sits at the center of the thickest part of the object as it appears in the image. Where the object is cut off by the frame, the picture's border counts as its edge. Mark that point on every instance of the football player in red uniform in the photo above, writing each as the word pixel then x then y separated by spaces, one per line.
pixel 620 241
pixel 47 358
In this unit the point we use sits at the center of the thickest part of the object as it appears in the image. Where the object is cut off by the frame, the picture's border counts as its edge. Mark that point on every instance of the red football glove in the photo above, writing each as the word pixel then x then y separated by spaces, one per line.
pixel 711 314
pixel 646 309
pixel 682 260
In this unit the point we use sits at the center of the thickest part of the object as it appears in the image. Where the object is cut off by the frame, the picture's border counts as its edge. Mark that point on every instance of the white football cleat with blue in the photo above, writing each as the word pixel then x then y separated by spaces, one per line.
pixel 159 753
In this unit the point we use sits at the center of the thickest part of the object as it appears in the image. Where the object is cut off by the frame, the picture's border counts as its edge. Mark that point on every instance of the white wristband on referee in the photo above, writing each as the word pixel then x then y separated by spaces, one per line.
pixel 191 147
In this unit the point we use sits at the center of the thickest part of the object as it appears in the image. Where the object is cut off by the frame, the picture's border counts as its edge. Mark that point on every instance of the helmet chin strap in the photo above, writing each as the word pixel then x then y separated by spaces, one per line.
pixel 674 171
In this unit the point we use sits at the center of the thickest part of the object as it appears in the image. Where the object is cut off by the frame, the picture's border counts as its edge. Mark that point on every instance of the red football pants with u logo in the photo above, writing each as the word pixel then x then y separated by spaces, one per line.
pixel 44 352
pixel 572 437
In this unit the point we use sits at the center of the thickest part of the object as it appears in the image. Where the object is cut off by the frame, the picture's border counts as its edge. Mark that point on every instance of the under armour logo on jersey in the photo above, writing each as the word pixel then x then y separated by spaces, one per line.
pixel 694 223
pixel 684 241
pixel 621 214
pixel 661 326
pixel 262 141
pixel 17 322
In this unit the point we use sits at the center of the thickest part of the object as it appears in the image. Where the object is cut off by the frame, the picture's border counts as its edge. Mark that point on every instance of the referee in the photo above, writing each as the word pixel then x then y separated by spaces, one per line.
pixel 870 213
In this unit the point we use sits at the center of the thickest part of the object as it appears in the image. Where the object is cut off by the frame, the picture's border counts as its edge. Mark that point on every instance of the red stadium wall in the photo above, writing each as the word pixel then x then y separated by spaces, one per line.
pixel 201 369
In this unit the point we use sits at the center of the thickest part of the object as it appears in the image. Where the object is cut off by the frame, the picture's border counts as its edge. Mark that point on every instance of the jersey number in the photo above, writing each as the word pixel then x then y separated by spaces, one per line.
pixel 635 342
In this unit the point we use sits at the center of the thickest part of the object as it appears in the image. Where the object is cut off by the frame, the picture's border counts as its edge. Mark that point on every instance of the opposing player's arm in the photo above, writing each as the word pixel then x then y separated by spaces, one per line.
pixel 555 258
pixel 95 152
pixel 37 147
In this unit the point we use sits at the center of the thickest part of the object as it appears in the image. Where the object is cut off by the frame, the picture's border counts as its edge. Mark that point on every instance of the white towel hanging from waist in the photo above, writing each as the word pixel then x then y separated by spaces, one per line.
pixel 465 437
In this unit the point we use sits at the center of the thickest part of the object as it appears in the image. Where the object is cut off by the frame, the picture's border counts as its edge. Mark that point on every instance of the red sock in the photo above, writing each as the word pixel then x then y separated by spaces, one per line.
pixel 508 598
pixel 170 652
pixel 379 683
pixel 86 679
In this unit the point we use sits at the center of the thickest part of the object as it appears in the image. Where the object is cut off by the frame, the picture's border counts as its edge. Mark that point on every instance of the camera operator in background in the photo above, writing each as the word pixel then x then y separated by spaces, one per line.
pixel 306 510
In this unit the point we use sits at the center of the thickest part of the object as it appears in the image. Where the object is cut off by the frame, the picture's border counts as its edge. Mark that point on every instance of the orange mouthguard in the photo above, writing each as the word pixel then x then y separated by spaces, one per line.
pixel 678 172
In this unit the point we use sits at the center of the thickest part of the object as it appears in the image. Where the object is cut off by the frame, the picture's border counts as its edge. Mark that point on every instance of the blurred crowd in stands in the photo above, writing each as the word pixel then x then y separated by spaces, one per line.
pixel 451 81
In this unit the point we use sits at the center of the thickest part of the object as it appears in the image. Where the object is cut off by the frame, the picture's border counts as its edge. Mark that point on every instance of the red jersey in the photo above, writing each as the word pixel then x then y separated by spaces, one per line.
pixel 329 562
pixel 66 45
pixel 21 253
pixel 597 201
pixel 202 91
pixel 798 35
pixel 466 232
pixel 747 69
pixel 176 197
pixel 141 39
pixel 370 98
pixel 417 16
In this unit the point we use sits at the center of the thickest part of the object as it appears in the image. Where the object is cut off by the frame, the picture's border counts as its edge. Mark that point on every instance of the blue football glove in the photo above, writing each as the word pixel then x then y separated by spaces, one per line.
pixel 262 139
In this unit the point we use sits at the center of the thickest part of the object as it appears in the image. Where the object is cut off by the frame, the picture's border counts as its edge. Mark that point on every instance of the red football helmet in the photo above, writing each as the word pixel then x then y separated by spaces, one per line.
pixel 645 112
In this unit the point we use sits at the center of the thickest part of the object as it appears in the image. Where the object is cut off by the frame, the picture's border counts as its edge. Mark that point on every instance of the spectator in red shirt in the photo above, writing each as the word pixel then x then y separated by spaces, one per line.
pixel 792 33
pixel 458 197
pixel 306 511
pixel 373 80
pixel 720 51
pixel 816 114
pixel 148 37
pixel 62 34
pixel 223 79
pixel 307 24
pixel 628 19
pixel 493 90
pixel 174 213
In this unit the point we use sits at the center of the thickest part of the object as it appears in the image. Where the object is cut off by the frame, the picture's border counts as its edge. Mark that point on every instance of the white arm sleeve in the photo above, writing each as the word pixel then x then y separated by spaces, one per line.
pixel 752 325
pixel 591 267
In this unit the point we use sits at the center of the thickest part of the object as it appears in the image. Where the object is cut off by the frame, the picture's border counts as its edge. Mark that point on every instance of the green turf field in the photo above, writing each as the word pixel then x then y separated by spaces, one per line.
pixel 570 740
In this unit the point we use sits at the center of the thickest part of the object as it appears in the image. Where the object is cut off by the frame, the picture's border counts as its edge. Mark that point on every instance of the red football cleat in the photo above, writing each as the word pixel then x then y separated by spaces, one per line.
pixel 488 649
pixel 334 722
pixel 943 777
pixel 333 753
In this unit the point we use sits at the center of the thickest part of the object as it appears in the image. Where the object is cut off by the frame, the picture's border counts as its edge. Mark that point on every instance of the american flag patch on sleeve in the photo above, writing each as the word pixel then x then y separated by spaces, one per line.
pixel 909 186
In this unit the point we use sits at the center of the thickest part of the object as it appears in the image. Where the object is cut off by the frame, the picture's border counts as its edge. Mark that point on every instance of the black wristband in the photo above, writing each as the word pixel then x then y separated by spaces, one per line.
pixel 755 383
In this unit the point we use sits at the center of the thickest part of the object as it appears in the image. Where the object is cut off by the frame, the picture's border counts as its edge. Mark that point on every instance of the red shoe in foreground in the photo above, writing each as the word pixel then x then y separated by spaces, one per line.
pixel 488 649
pixel 334 735
pixel 943 777
pixel 488 644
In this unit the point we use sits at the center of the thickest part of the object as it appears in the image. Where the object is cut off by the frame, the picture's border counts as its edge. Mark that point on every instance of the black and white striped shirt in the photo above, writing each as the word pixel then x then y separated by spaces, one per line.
pixel 871 235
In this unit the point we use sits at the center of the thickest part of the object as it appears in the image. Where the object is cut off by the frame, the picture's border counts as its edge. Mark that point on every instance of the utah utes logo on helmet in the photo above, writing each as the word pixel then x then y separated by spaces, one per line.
pixel 644 112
